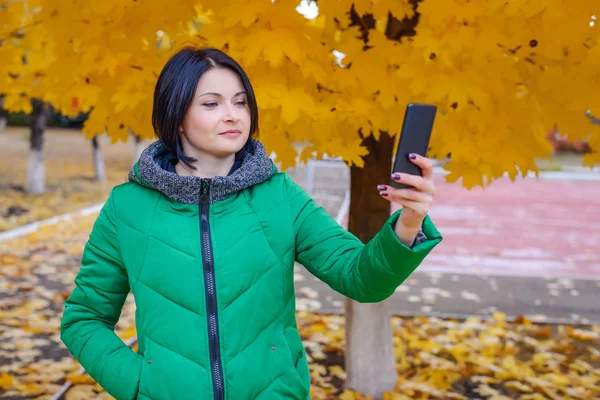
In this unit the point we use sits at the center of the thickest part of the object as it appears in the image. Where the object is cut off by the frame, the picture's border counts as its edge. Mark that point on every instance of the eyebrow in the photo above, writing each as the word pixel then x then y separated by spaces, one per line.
pixel 219 94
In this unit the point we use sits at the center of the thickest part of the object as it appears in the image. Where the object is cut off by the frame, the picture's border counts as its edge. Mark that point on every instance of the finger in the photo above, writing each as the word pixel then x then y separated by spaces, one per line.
pixel 418 182
pixel 410 194
pixel 424 163
pixel 391 194
pixel 419 208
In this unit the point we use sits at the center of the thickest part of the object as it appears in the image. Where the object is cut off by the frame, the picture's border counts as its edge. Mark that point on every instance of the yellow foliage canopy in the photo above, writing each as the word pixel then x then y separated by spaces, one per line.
pixel 502 73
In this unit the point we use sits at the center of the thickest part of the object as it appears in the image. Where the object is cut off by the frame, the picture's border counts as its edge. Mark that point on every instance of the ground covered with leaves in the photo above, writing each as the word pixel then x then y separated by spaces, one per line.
pixel 436 359
pixel 70 176
pixel 467 359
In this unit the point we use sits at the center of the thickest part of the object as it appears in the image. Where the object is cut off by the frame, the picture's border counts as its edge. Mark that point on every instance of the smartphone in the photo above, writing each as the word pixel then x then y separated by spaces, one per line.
pixel 414 138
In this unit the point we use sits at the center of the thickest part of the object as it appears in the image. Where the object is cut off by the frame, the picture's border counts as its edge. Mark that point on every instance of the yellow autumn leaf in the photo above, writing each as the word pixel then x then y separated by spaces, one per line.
pixel 488 380
pixel 317 370
pixel 338 372
pixel 470 175
pixel 490 392
pixel 455 396
pixel 17 102
pixel 533 396
pixel 6 381
pixel 348 395
pixel 581 334
pixel 78 379
pixel 302 101
pixel 519 386
pixel 29 389
pixel 80 392
pixel 400 9
pixel 394 396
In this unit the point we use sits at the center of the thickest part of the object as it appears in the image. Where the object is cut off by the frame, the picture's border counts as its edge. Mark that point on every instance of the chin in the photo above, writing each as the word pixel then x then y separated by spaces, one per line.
pixel 227 146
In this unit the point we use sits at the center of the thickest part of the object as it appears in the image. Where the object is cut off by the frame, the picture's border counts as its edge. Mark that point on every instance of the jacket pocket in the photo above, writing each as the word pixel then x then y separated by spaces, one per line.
pixel 301 366
pixel 147 363
pixel 298 357
pixel 297 352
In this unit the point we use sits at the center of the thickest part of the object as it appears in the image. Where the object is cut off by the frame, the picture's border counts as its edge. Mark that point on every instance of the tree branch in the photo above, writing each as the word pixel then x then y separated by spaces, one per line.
pixel 19 32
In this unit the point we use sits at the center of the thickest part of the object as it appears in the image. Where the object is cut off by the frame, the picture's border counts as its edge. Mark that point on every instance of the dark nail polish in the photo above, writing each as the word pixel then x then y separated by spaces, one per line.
pixel 413 156
pixel 384 194
pixel 396 175
pixel 381 187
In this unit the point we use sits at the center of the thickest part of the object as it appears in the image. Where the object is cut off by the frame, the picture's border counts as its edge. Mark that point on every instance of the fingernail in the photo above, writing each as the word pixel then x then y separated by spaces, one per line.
pixel 413 156
pixel 384 194
pixel 381 187
pixel 396 175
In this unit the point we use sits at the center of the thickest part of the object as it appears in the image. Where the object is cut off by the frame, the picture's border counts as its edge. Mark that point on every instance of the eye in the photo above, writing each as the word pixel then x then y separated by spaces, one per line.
pixel 210 104
pixel 241 103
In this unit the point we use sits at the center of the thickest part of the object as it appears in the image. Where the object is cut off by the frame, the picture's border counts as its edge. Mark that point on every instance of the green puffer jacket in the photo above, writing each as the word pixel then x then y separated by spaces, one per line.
pixel 210 264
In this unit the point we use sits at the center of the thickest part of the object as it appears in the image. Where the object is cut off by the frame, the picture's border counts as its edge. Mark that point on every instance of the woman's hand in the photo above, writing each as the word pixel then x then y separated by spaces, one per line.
pixel 415 201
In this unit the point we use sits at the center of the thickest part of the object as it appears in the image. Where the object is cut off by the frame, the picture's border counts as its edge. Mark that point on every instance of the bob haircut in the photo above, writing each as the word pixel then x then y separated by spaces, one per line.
pixel 174 93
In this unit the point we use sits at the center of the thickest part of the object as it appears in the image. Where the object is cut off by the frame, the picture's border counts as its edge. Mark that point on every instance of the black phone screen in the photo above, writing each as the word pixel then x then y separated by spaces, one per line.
pixel 414 138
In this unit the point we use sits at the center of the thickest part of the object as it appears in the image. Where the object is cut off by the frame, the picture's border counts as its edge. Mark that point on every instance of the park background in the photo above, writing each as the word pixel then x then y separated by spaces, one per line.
pixel 504 308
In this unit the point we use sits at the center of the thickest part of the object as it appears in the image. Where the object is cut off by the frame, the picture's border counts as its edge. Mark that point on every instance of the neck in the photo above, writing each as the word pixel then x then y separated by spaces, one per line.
pixel 207 166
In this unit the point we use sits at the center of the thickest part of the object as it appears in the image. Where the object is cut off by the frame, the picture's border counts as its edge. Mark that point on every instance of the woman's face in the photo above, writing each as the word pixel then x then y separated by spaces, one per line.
pixel 218 119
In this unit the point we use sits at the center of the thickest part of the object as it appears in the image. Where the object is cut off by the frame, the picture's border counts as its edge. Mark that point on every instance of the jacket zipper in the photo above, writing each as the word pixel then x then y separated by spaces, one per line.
pixel 211 295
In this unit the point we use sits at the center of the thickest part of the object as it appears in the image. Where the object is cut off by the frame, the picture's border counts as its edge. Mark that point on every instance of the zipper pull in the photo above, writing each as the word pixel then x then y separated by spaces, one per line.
pixel 204 192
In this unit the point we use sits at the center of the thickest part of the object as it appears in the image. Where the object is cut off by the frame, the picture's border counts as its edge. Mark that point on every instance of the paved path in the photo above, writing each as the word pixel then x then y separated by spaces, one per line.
pixel 524 228
pixel 556 300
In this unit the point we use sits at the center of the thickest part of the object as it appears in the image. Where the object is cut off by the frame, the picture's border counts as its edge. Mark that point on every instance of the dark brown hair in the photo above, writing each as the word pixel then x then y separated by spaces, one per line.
pixel 174 93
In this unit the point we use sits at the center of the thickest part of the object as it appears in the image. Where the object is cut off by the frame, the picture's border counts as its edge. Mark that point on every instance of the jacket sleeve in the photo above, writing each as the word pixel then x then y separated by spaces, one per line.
pixel 367 273
pixel 93 309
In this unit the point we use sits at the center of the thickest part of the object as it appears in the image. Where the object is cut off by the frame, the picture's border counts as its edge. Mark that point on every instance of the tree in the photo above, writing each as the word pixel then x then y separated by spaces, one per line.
pixel 501 73
pixel 3 115
pixel 99 166
pixel 36 175
pixel 138 148
pixel 368 331
pixel 26 56
pixel 24 75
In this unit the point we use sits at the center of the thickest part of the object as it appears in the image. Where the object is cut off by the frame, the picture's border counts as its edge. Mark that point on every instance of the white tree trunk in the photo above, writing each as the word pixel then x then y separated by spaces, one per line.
pixel 370 361
pixel 99 167
pixel 139 148
pixel 36 176
pixel 3 115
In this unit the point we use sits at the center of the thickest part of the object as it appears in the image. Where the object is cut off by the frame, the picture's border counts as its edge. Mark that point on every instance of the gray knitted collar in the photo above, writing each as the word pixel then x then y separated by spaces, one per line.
pixel 256 167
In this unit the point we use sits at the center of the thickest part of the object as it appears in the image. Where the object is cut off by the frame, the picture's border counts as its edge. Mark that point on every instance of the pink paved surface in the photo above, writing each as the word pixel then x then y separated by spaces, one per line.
pixel 523 228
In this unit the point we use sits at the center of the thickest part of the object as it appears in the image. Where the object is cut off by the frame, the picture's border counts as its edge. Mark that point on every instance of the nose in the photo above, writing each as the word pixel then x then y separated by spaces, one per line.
pixel 231 114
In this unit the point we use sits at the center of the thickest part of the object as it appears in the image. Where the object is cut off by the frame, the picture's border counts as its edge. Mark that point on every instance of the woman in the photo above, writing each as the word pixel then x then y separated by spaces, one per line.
pixel 205 235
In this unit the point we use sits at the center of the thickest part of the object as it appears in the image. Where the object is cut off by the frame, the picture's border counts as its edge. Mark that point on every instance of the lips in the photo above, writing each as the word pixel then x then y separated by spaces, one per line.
pixel 231 132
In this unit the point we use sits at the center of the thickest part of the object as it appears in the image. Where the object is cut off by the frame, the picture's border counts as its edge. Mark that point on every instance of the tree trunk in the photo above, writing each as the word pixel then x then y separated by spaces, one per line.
pixel 138 148
pixel 3 115
pixel 36 178
pixel 370 361
pixel 99 167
